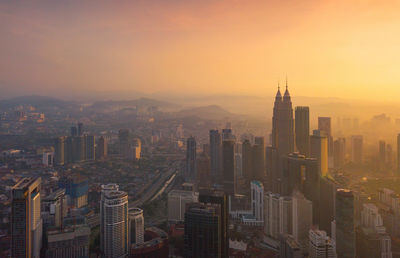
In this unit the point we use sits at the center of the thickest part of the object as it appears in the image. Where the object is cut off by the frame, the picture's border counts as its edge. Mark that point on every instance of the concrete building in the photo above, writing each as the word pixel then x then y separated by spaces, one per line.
pixel 68 242
pixel 345 227
pixel 229 177
pixel 302 130
pixel 136 226
pixel 191 160
pixel 320 245
pixel 114 222
pixel 215 154
pixel 357 149
pixel 278 215
pixel 319 150
pixel 290 248
pixel 257 200
pixel 339 152
pixel 301 219
pixel 26 222
pixel 177 201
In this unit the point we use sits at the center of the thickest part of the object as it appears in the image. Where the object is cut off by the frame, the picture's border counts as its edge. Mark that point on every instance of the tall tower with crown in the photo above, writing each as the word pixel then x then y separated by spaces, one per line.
pixel 283 123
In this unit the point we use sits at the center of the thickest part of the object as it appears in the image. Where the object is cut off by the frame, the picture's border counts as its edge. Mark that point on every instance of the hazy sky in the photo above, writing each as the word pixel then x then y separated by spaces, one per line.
pixel 339 48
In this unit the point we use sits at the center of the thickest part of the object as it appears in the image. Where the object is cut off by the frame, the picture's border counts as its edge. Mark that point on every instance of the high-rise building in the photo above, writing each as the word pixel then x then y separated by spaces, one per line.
pixel 274 181
pixel 202 237
pixel 382 155
pixel 247 161
pixel 203 170
pixel 191 160
pixel 290 248
pixel 277 215
pixel 372 239
pixel 76 187
pixel 124 138
pixel 339 152
pixel 206 226
pixel 257 200
pixel 345 229
pixel 327 199
pixel 26 222
pixel 227 134
pixel 319 150
pixel 177 201
pixel 398 152
pixel 114 222
pixel 102 148
pixel 90 147
pixel 357 149
pixel 74 131
pixel 54 209
pixel 220 200
pixel 302 129
pixel 80 129
pixel 59 147
pixel 320 245
pixel 215 154
pixel 258 159
pixel 324 125
pixel 136 226
pixel 283 124
pixel 72 241
pixel 229 177
pixel 282 138
pixel 301 219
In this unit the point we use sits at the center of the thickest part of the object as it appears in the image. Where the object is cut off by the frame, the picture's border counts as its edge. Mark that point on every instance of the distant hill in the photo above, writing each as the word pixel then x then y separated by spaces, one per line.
pixel 212 112
pixel 34 100
pixel 113 105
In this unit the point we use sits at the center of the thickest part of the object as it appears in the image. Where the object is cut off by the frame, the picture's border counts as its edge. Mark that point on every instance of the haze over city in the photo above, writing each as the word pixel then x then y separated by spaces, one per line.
pixel 212 128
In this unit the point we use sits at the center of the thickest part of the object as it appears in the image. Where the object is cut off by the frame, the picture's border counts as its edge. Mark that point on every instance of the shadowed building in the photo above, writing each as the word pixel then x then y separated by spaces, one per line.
pixel 26 222
pixel 302 129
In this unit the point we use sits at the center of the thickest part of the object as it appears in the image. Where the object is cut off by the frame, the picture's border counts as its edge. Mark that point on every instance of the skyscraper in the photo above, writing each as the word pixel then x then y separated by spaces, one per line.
pixel 339 152
pixel 204 222
pixel 319 150
pixel 202 237
pixel 191 162
pixel 59 148
pixel 320 245
pixel 229 177
pixel 247 161
pixel 345 229
pixel 102 148
pixel 283 124
pixel 357 149
pixel 80 129
pixel 26 222
pixel 136 226
pixel 257 200
pixel 90 147
pixel 258 159
pixel 216 154
pixel 301 219
pixel 382 155
pixel 114 222
pixel 277 215
pixel 398 152
pixel 302 129
pixel 282 138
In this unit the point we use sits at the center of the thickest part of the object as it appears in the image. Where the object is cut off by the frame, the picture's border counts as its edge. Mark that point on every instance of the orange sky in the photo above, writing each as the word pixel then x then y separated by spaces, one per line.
pixel 338 48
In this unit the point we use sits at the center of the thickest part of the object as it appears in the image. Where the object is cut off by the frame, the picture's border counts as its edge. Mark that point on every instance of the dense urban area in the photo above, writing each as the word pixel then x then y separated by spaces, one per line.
pixel 142 178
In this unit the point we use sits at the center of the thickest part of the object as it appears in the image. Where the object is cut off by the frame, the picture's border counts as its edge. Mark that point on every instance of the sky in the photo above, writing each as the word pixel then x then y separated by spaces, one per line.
pixel 326 48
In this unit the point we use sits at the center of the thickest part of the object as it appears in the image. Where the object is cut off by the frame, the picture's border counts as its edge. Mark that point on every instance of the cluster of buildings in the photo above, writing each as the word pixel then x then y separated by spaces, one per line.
pixel 50 226
pixel 79 147
pixel 285 190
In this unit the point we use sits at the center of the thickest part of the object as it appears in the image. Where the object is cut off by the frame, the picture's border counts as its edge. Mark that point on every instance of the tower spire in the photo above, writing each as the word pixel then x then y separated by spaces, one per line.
pixel 286 83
